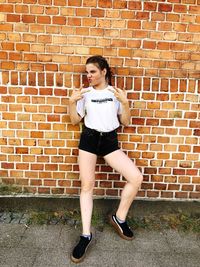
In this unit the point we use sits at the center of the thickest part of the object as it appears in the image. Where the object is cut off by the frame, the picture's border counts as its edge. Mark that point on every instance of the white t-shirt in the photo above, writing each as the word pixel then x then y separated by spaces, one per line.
pixel 100 109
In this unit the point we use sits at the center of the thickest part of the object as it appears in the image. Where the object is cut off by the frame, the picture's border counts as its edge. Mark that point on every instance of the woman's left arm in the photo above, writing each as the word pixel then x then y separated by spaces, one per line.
pixel 126 114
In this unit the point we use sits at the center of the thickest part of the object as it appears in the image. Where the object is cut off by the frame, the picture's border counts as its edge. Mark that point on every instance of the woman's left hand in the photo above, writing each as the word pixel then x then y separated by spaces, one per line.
pixel 119 94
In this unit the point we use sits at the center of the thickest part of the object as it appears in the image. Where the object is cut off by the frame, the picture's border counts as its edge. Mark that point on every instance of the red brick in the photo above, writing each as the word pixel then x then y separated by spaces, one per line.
pixel 119 4
pixel 37 134
pixel 38 10
pixel 112 192
pixel 23 47
pixel 76 3
pixel 44 19
pixel 59 2
pixel 180 8
pixel 194 28
pixel 30 1
pixel 134 24
pixel 194 124
pixel 196 149
pixel 149 44
pixel 72 191
pixel 97 13
pixel 142 15
pixel 194 195
pixel 135 5
pixel 53 118
pixel 157 16
pixel 181 194
pixel 8 65
pixel 147 186
pixel 6 8
pixel 173 187
pixel 150 6
pixel 4 55
pixel 173 17
pixel 6 27
pixel 21 150
pixel 152 194
pixel 148 25
pixel 13 18
pixel 43 190
pixel 160 186
pixel 165 7
pixel 166 194
pixel 5 165
pixel 28 19
pixel 105 3
pixel 3 90
pixel 59 20
pixel 187 187
pixel 194 9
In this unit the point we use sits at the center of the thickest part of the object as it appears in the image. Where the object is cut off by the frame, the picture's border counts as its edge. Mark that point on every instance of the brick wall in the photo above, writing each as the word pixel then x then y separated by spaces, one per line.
pixel 153 48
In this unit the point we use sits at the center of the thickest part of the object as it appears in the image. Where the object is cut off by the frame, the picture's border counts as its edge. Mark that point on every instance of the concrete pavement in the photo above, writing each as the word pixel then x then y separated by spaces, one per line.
pixel 50 245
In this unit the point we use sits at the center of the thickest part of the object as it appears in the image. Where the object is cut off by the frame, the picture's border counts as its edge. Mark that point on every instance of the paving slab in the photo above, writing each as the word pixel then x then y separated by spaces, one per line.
pixel 18 257
pixel 182 242
pixel 179 259
pixel 52 257
pixel 11 234
pixel 51 245
pixel 45 236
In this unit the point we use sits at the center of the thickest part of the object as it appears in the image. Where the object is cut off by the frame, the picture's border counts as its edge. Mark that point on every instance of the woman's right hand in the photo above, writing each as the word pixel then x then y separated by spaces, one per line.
pixel 77 94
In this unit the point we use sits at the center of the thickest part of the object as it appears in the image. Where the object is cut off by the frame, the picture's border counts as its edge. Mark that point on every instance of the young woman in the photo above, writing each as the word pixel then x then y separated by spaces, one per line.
pixel 103 108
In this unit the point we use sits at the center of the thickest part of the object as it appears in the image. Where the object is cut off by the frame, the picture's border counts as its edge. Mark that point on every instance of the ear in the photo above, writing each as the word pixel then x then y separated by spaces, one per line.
pixel 104 71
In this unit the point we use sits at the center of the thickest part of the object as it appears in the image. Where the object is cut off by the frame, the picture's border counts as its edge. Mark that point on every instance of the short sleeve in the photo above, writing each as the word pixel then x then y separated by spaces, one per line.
pixel 80 107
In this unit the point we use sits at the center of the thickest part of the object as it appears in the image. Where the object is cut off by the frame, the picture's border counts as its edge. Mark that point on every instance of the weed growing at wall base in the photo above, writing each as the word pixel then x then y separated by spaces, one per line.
pixel 180 221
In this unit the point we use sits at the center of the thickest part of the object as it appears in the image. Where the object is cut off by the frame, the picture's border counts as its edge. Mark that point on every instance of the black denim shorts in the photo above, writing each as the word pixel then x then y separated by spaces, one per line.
pixel 98 143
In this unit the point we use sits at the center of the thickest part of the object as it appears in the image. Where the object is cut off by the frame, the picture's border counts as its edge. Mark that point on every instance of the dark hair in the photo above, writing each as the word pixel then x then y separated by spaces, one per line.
pixel 101 64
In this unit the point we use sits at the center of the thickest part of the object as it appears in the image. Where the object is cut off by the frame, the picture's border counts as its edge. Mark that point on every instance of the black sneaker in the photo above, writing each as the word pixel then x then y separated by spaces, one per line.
pixel 80 249
pixel 122 229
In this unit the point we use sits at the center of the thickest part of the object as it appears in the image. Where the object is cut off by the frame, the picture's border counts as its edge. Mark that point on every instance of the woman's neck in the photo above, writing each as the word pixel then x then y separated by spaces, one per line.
pixel 100 86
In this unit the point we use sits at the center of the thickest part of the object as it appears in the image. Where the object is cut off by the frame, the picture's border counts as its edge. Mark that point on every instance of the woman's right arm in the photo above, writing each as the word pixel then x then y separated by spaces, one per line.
pixel 74 116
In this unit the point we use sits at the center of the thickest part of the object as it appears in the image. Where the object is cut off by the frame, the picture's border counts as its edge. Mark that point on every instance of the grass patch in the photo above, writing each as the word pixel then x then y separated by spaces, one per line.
pixel 57 217
pixel 39 218
pixel 178 221
pixel 10 190
pixel 98 220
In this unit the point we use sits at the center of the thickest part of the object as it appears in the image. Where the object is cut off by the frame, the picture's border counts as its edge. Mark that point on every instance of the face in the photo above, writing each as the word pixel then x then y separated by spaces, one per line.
pixel 95 76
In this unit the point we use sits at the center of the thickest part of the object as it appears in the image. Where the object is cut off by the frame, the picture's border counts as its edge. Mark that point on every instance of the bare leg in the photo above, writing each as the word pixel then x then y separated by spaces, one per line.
pixel 125 166
pixel 87 163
